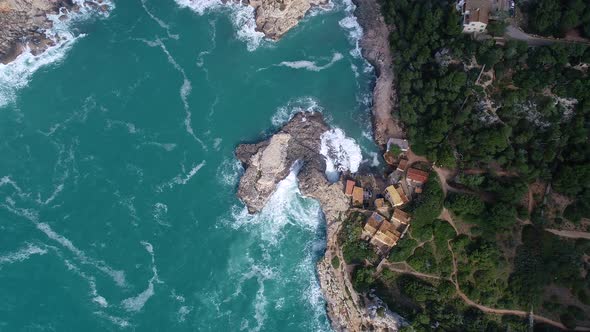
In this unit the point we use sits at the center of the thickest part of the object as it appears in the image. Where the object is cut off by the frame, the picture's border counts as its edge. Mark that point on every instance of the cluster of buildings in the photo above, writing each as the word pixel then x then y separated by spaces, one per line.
pixel 387 222
pixel 477 13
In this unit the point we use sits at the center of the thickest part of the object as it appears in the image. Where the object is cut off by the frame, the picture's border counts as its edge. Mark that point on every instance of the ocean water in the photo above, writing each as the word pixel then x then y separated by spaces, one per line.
pixel 117 177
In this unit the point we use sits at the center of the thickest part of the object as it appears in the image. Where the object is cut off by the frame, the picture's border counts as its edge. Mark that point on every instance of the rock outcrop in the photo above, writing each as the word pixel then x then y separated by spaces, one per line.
pixel 270 161
pixel 275 17
pixel 375 49
pixel 22 24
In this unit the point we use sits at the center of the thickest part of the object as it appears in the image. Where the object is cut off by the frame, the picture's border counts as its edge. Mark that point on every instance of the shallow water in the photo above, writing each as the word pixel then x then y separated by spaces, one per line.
pixel 118 179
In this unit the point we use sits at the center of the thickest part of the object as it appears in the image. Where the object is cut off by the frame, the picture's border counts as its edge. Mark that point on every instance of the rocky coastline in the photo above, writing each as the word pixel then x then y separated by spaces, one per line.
pixel 274 18
pixel 25 24
pixel 375 49
pixel 267 163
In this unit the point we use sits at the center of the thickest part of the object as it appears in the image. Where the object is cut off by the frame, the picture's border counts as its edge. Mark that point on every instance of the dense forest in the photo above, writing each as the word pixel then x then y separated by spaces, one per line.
pixel 557 17
pixel 504 115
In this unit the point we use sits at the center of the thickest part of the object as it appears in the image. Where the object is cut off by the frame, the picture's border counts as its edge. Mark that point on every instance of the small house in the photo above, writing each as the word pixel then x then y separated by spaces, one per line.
pixel 358 196
pixel 373 223
pixel 416 176
pixel 349 187
pixel 476 14
pixel 393 196
pixel 386 235
pixel 402 194
pixel 401 217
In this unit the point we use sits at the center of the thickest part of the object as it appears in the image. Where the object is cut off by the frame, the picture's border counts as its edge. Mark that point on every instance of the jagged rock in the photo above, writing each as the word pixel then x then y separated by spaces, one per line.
pixel 269 162
pixel 275 17
pixel 20 24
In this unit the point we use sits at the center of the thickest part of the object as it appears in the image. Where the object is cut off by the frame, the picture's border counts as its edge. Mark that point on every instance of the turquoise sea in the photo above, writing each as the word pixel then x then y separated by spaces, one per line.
pixel 117 174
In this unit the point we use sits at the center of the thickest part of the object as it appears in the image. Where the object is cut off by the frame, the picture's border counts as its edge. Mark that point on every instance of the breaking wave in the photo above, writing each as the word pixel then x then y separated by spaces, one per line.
pixel 352 27
pixel 285 207
pixel 287 223
pixel 341 153
pixel 287 112
pixel 16 74
pixel 242 17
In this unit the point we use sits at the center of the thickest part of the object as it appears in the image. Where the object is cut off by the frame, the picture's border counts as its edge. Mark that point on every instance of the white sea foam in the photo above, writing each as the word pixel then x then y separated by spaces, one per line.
pixel 228 173
pixel 284 207
pixel 185 88
pixel 117 275
pixel 16 74
pixel 96 298
pixel 161 23
pixel 160 214
pixel 374 159
pixel 136 303
pixel 22 254
pixel 310 65
pixel 121 322
pixel 242 17
pixel 285 113
pixel 352 26
pixel 341 153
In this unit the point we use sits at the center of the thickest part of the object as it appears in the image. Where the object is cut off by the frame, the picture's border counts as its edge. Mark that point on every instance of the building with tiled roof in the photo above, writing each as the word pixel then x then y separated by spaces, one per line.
pixel 417 176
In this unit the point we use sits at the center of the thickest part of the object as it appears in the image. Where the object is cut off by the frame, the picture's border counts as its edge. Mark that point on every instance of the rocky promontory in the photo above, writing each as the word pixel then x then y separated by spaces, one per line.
pixel 275 17
pixel 270 161
pixel 23 24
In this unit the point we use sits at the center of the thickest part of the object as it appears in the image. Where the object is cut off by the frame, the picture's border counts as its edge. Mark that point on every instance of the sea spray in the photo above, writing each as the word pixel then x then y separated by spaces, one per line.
pixel 342 153
pixel 285 113
pixel 242 17
pixel 266 263
pixel 16 74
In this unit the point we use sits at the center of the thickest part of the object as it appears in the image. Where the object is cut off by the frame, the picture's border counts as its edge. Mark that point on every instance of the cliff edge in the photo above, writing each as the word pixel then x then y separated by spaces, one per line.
pixel 275 17
pixel 270 161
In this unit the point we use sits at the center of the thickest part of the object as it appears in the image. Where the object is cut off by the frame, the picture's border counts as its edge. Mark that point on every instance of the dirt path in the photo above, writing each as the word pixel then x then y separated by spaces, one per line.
pixel 524 314
pixel 569 234
pixel 408 270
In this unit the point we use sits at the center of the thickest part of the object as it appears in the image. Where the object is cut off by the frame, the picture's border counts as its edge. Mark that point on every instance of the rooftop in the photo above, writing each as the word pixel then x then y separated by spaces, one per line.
pixel 358 196
pixel 349 186
pixel 417 175
pixel 479 10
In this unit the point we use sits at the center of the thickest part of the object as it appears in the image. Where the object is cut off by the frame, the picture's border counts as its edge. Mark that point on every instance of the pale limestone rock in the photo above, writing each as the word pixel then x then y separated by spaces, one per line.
pixel 275 17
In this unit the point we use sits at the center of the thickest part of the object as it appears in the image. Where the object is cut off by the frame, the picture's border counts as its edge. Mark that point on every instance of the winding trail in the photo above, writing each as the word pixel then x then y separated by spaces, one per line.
pixel 569 234
pixel 496 311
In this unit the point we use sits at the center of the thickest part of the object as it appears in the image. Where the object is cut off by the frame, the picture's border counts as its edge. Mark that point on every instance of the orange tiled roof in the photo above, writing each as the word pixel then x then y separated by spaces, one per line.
pixel 417 175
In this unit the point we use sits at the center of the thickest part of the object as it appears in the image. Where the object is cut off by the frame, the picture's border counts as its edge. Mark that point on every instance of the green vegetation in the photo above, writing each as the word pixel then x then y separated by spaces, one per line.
pixel 426 304
pixel 542 259
pixel 355 250
pixel 556 17
pixel 335 262
pixel 425 208
pixel 504 116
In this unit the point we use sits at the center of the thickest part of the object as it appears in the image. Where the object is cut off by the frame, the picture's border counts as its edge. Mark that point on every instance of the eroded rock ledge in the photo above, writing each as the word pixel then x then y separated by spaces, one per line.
pixel 275 17
pixel 266 164
pixel 270 161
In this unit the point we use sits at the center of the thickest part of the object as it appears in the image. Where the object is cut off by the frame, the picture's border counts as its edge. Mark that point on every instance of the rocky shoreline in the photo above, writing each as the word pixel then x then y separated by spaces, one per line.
pixel 295 148
pixel 275 18
pixel 268 162
pixel 24 24
pixel 375 49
